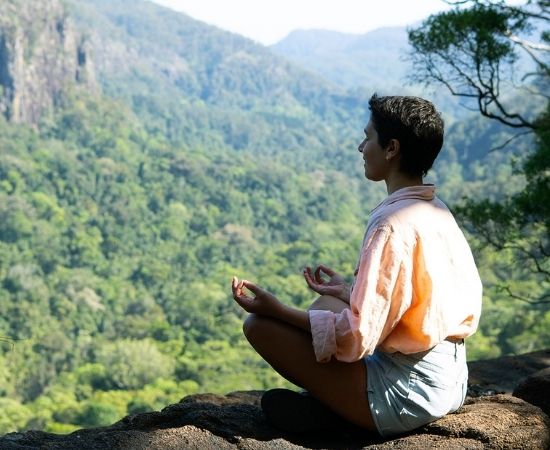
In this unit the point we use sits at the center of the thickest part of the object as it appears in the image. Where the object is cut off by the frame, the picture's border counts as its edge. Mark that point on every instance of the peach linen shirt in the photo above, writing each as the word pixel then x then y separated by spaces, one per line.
pixel 416 283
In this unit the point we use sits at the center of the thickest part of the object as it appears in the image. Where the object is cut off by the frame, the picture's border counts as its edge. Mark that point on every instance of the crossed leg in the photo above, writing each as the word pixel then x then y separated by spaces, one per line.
pixel 289 350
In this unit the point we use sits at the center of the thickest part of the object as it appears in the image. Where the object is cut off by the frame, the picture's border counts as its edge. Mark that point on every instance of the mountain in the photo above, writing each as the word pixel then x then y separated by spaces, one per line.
pixel 125 209
pixel 241 95
pixel 180 74
pixel 370 61
pixel 379 61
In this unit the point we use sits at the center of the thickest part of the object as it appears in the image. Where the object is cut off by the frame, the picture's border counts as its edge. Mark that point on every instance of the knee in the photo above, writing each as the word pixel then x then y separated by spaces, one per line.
pixel 319 303
pixel 252 326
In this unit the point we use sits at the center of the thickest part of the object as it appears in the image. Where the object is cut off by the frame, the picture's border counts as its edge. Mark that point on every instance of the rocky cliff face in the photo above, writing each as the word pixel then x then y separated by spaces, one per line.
pixel 41 56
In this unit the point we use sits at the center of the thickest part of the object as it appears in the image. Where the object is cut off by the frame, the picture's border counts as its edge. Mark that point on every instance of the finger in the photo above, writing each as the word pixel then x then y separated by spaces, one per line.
pixel 244 303
pixel 239 291
pixel 239 294
pixel 312 284
pixel 309 281
pixel 240 287
pixel 252 287
pixel 318 277
pixel 310 276
pixel 234 286
pixel 327 270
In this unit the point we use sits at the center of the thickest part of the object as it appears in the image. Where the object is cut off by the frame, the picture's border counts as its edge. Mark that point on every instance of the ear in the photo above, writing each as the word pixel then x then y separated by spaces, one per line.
pixel 393 149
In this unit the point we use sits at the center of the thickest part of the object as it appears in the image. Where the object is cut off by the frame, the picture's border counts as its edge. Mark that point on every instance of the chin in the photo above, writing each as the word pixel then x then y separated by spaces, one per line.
pixel 372 177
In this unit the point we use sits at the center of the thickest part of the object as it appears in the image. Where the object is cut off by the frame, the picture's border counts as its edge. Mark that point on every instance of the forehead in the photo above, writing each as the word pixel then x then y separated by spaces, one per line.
pixel 369 128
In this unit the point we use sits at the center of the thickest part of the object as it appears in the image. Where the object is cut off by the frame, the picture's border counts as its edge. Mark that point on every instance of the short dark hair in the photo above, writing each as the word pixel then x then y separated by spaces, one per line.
pixel 415 123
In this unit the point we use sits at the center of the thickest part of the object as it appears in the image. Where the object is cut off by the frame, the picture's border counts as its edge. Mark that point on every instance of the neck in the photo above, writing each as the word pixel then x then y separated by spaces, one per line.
pixel 399 181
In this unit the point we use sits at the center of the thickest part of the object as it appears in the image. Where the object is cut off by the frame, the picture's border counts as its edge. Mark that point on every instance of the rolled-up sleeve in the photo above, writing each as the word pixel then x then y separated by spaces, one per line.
pixel 380 295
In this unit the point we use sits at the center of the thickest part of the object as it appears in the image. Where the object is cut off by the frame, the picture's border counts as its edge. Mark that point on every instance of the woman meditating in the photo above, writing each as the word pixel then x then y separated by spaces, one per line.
pixel 387 353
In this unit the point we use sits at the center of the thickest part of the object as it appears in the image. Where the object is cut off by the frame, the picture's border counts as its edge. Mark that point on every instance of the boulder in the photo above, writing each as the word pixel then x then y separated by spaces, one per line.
pixel 535 389
pixel 503 374
pixel 488 420
pixel 235 421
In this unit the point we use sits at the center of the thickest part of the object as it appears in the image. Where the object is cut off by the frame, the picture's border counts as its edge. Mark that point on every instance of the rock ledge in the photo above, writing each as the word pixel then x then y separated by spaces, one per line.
pixel 235 421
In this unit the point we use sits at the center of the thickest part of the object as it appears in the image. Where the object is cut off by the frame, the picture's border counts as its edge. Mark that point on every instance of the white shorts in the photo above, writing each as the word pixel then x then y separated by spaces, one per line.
pixel 408 391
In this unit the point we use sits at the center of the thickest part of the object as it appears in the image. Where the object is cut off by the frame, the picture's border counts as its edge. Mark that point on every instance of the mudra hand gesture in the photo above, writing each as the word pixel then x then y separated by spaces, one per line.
pixel 335 286
pixel 262 303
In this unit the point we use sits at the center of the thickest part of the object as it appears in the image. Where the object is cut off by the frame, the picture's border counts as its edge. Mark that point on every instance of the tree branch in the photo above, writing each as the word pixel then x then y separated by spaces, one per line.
pixel 543 299
pixel 528 47
pixel 515 136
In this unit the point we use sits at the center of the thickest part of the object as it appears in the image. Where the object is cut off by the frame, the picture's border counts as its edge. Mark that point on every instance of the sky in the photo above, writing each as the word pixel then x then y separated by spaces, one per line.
pixel 269 21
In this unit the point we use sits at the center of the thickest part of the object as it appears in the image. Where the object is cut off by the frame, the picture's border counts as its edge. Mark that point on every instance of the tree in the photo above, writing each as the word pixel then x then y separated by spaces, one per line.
pixel 497 54
pixel 132 364
pixel 477 50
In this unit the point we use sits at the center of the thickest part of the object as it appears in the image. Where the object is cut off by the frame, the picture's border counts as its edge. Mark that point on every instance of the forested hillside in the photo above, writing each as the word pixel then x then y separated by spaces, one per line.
pixel 126 210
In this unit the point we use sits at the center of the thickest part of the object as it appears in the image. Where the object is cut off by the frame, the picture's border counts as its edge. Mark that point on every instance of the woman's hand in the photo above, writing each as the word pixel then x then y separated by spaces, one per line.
pixel 266 304
pixel 263 302
pixel 335 286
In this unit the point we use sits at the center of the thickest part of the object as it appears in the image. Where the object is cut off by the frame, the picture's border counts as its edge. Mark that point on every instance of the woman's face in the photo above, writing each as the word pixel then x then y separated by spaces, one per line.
pixel 376 164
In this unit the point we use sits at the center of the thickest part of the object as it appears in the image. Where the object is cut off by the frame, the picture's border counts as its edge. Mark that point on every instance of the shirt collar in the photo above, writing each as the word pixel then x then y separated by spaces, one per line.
pixel 424 192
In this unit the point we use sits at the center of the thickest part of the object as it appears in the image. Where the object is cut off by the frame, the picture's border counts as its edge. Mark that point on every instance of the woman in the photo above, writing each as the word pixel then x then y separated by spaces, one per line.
pixel 388 353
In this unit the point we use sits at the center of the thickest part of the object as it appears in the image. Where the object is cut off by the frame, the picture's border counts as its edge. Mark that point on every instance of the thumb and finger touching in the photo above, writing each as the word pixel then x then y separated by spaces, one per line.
pixel 239 286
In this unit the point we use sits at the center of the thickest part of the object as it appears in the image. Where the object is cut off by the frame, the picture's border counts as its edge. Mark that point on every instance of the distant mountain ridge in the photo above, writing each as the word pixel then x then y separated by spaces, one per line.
pixel 365 60
pixel 182 74
pixel 377 61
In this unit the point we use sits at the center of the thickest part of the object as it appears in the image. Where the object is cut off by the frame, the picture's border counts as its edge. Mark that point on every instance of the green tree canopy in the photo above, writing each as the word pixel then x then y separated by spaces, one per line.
pixel 474 50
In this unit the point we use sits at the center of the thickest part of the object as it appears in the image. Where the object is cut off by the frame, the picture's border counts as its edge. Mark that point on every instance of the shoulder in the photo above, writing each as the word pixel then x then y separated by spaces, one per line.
pixel 413 211
pixel 410 218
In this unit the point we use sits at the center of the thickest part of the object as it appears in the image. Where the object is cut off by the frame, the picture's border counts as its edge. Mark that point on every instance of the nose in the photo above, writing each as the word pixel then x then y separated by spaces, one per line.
pixel 360 148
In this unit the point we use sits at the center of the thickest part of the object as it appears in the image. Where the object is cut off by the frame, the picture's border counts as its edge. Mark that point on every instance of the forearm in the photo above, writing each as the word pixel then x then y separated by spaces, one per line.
pixel 293 316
